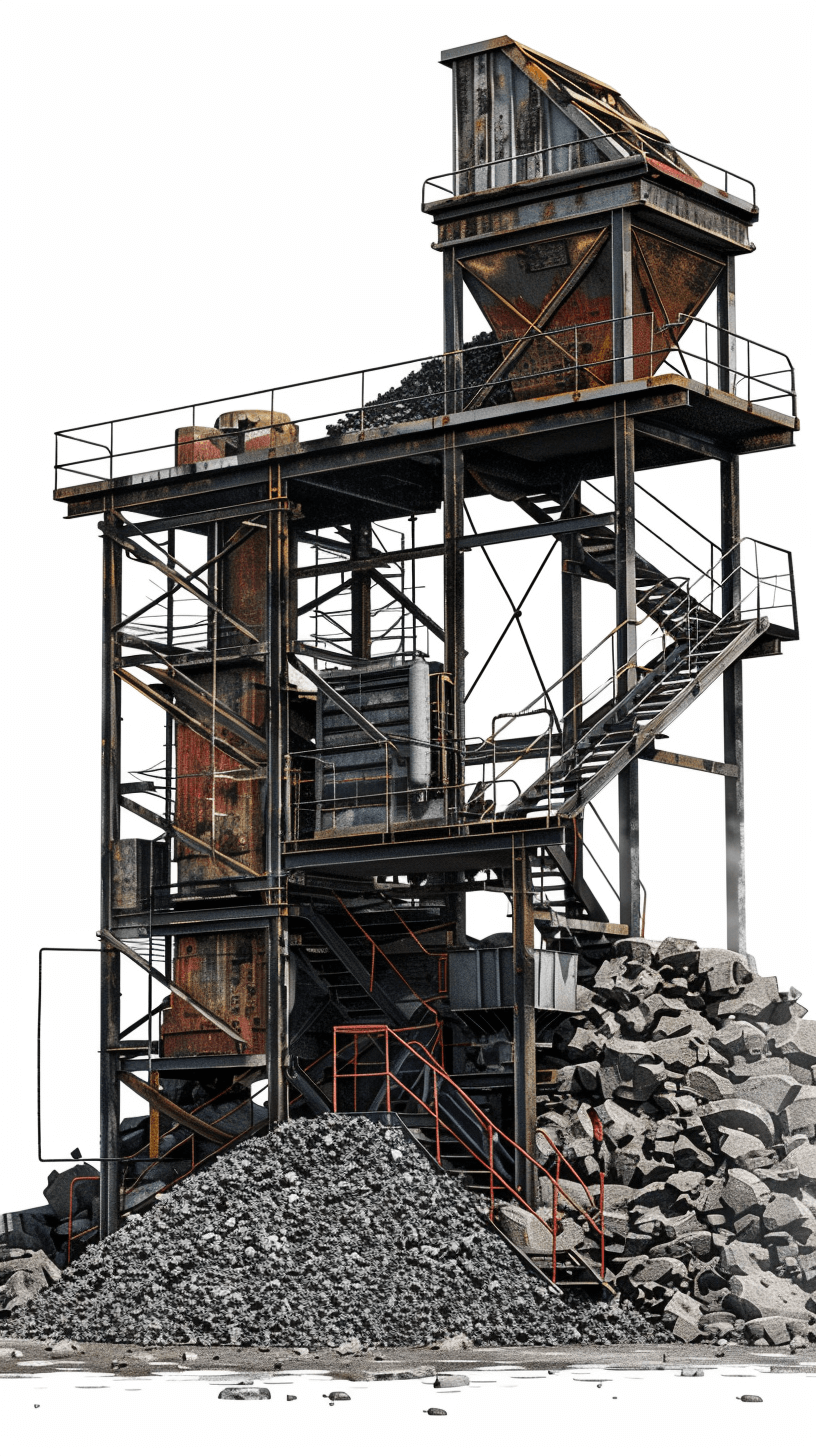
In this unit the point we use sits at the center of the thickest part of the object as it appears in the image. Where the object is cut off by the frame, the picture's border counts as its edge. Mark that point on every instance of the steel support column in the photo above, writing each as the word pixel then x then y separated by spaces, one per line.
pixel 571 654
pixel 621 225
pixel 277 941
pixel 109 959
pixel 361 591
pixel 733 731
pixel 524 1021
pixel 626 616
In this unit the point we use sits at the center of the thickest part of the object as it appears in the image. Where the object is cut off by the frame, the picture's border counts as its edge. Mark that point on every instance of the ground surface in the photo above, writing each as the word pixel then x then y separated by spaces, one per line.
pixel 127 1360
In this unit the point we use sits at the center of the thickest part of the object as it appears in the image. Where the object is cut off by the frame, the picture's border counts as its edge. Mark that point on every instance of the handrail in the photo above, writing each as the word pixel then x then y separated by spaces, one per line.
pixel 493 1133
pixel 638 146
pixel 378 950
pixel 775 384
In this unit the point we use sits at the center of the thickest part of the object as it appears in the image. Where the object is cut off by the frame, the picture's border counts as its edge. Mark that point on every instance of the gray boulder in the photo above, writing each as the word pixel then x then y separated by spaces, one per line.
pixel 769 1090
pixel 783 1212
pixel 704 1082
pixel 678 954
pixel 796 1040
pixel 753 1296
pixel 803 1159
pixel 744 1191
pixel 800 1114
pixel 58 1189
pixel 682 1314
pixel 735 1113
pixel 757 999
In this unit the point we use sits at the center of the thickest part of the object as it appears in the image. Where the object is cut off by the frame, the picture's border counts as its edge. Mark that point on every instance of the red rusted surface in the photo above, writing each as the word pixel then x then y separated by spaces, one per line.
pixel 234 433
pixel 220 802
pixel 228 973
pixel 197 443
pixel 516 287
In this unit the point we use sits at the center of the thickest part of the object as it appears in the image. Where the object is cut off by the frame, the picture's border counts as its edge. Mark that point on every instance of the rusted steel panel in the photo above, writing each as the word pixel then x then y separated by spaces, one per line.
pixel 545 284
pixel 218 800
pixel 229 972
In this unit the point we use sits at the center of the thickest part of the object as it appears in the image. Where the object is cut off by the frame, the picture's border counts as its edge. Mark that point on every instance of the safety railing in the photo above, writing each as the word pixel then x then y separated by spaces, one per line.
pixel 486 174
pixel 574 357
pixel 752 579
pixel 83 1233
pixel 490 1148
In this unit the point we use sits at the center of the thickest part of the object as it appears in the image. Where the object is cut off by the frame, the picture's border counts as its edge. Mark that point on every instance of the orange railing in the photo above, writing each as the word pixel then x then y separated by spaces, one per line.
pixel 494 1136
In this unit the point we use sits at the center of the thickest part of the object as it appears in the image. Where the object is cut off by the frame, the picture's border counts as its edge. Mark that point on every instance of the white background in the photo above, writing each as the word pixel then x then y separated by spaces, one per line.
pixel 204 198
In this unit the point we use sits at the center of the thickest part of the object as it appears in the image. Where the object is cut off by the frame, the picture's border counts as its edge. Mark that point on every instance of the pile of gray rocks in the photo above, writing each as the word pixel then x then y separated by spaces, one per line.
pixel 701 1072
pixel 328 1232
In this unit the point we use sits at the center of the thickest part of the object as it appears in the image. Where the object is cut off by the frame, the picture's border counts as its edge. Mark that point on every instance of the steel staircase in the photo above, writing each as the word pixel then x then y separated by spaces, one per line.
pixel 698 646
pixel 669 685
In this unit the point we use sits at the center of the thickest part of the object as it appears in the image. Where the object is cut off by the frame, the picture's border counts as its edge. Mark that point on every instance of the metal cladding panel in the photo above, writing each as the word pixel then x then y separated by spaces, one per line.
pixel 357 784
pixel 227 973
pixel 138 866
pixel 228 799
pixel 501 113
pixel 556 981
pixel 221 803
pixel 484 979
pixel 242 586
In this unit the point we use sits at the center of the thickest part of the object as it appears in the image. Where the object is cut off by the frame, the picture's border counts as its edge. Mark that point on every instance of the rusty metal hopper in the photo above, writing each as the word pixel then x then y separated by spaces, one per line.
pixel 520 119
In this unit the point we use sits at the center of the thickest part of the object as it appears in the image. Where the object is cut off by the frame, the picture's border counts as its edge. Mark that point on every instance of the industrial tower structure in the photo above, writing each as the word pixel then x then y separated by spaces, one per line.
pixel 318 814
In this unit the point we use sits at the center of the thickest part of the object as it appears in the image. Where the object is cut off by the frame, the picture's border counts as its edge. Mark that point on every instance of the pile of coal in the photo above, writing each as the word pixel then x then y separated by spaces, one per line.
pixel 329 1230
pixel 701 1072
pixel 34 1241
pixel 421 393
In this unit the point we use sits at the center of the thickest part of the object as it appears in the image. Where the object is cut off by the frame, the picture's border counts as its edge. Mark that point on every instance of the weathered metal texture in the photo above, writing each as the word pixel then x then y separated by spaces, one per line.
pixel 228 973
pixel 233 434
pixel 510 101
pixel 543 151
pixel 221 801
pixel 561 288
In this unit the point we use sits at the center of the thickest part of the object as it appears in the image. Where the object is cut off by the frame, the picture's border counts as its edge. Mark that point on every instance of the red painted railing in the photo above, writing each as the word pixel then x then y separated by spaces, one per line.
pixel 494 1136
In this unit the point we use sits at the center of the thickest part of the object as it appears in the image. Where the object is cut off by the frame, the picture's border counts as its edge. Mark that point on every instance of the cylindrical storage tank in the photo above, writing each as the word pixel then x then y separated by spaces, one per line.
pixel 419 719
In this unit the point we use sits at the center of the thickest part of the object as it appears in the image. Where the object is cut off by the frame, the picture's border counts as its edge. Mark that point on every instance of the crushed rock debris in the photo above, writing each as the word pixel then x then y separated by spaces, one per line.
pixel 365 1242
pixel 701 1072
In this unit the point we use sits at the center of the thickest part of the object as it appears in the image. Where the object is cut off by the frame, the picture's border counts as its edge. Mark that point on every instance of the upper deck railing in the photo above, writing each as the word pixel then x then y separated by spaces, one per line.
pixel 576 357
pixel 484 175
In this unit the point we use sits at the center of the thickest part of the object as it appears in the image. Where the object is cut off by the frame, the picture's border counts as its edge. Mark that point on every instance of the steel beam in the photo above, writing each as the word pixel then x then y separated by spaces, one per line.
pixel 524 1033
pixel 361 592
pixel 473 542
pixel 109 959
pixel 623 363
pixel 626 657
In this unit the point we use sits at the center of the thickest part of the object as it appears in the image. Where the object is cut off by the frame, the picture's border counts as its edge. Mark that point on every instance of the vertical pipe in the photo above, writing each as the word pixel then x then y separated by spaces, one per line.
pixel 733 727
pixel 524 1069
pixel 277 938
pixel 626 613
pixel 360 591
pixel 109 958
